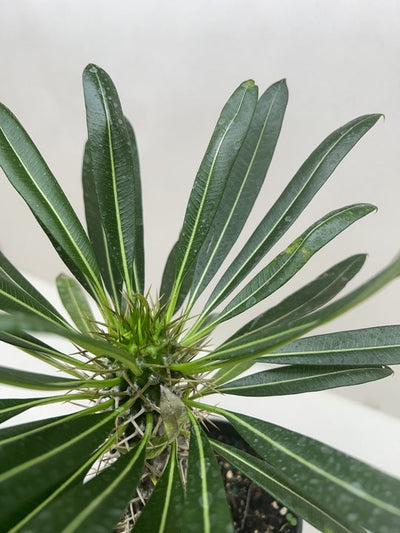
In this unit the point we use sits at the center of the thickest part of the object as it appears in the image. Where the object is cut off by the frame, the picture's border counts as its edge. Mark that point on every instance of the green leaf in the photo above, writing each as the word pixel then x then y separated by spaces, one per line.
pixel 266 339
pixel 243 184
pixel 114 164
pixel 10 407
pixel 278 485
pixel 343 486
pixel 168 278
pixel 162 512
pixel 298 379
pixel 33 380
pixel 370 346
pixel 31 177
pixel 307 299
pixel 293 258
pixel 12 274
pixel 96 506
pixel 76 304
pixel 291 203
pixel 211 178
pixel 55 447
pixel 206 509
pixel 108 268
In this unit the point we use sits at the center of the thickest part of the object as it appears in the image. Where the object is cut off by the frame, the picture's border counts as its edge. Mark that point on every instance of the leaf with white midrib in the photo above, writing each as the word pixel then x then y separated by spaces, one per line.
pixel 344 485
pixel 243 185
pixel 279 486
pixel 211 178
pixel 293 258
pixel 300 379
pixel 76 304
pixel 296 196
pixel 31 177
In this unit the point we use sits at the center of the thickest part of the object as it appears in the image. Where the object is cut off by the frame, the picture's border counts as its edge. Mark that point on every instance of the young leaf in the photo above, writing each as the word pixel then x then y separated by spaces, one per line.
pixel 293 258
pixel 76 304
pixel 298 379
pixel 296 196
pixel 243 184
pixel 345 487
pixel 56 447
pixel 370 346
pixel 206 508
pixel 275 483
pixel 211 178
pixel 114 165
pixel 31 177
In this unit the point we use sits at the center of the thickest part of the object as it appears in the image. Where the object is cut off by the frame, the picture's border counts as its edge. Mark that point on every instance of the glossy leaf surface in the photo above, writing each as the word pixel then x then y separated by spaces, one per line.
pixel 75 302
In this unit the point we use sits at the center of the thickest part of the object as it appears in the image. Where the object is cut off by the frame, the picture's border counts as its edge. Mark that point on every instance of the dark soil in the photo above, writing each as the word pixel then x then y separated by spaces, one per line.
pixel 253 510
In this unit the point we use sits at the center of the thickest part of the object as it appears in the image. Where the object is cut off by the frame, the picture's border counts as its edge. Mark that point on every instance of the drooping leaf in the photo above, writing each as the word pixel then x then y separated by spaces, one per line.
pixel 345 487
pixel 211 178
pixel 75 302
pixel 299 192
pixel 161 513
pixel 206 508
pixel 293 258
pixel 31 177
pixel 96 506
pixel 280 486
pixel 114 164
pixel 56 447
pixel 243 184
pixel 298 379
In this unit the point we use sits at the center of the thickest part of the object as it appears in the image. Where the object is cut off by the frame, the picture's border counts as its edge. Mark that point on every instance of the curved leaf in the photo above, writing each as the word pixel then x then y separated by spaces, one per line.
pixel 56 447
pixel 114 164
pixel 347 488
pixel 299 192
pixel 293 258
pixel 281 487
pixel 31 177
pixel 211 178
pixel 243 185
pixel 298 379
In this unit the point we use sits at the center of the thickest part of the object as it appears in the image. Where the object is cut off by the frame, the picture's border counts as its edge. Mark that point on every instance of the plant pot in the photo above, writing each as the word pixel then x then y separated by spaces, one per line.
pixel 253 509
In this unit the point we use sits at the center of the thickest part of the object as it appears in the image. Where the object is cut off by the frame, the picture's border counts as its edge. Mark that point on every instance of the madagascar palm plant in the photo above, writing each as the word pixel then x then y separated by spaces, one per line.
pixel 136 455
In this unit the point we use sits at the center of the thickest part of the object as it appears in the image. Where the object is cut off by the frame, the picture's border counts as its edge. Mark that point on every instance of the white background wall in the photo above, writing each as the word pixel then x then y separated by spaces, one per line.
pixel 175 63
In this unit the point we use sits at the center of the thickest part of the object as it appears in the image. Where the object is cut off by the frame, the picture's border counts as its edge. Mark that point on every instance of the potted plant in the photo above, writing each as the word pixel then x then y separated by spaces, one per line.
pixel 137 455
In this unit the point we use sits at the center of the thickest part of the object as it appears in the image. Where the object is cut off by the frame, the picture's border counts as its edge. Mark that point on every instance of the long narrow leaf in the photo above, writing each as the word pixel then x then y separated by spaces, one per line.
pixel 243 184
pixel 76 304
pixel 163 511
pixel 108 268
pixel 296 196
pixel 168 279
pixel 56 449
pixel 206 508
pixel 298 379
pixel 293 258
pixel 31 177
pixel 211 178
pixel 113 167
pixel 281 487
pixel 370 346
pixel 96 506
pixel 309 298
pixel 346 487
